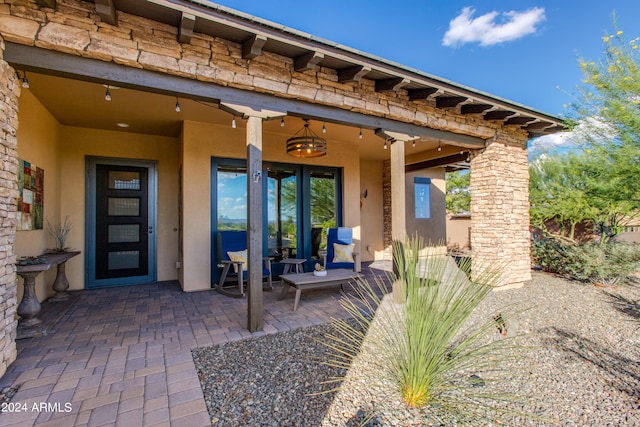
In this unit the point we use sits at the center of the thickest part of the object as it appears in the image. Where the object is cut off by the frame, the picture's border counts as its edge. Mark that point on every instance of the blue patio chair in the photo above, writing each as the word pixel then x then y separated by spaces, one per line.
pixel 232 251
pixel 341 256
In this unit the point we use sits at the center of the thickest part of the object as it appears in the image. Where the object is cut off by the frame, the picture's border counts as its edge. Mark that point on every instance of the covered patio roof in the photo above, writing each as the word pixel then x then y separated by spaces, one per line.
pixel 308 52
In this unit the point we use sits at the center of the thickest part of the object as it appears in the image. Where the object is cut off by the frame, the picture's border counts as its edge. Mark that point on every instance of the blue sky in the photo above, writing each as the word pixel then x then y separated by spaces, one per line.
pixel 524 51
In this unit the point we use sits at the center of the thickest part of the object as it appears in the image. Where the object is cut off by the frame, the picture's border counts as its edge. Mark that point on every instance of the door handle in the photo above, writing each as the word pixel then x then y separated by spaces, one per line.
pixel 150 229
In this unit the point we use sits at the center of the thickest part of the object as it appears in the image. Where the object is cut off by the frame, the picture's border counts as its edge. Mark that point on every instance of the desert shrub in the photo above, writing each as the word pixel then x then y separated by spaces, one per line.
pixel 605 263
pixel 423 349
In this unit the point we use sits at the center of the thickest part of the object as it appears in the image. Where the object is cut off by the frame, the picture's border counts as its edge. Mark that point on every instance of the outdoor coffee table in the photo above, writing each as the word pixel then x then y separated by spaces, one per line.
pixel 301 281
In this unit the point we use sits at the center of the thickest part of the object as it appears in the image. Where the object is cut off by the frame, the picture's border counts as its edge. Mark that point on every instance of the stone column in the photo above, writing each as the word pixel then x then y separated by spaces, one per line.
pixel 500 208
pixel 10 91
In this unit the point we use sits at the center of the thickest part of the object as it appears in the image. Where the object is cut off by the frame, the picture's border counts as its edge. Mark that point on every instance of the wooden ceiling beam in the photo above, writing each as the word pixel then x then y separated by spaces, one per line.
pixel 185 32
pixel 393 84
pixel 474 108
pixel 540 125
pixel 450 101
pixel 499 115
pixel 307 61
pixel 47 3
pixel 424 94
pixel 106 10
pixel 252 47
pixel 352 74
pixel 441 161
pixel 519 120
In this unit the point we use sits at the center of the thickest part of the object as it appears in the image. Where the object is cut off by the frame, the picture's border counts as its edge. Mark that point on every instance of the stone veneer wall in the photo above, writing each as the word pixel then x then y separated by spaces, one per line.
pixel 75 28
pixel 387 240
pixel 500 207
pixel 9 91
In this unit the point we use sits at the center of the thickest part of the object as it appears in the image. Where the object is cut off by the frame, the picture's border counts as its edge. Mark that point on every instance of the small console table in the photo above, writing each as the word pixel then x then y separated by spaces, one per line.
pixel 30 306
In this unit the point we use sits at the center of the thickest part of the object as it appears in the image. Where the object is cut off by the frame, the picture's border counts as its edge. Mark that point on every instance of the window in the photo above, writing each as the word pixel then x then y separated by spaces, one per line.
pixel 422 192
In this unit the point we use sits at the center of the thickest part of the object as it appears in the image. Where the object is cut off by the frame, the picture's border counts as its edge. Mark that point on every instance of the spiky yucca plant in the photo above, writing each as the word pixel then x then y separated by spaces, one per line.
pixel 423 347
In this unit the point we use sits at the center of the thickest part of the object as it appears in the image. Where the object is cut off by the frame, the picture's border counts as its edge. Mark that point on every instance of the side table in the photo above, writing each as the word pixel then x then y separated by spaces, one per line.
pixel 297 263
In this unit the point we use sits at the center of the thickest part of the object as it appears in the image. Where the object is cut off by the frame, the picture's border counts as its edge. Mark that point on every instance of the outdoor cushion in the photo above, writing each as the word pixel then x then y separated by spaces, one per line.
pixel 342 253
pixel 239 256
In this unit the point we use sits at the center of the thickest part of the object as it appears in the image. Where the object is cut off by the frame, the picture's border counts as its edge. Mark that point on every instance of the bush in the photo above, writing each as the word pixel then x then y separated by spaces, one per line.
pixel 423 349
pixel 605 263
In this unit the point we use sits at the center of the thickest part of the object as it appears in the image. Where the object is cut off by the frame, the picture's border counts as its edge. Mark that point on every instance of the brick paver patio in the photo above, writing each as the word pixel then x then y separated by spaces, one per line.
pixel 123 355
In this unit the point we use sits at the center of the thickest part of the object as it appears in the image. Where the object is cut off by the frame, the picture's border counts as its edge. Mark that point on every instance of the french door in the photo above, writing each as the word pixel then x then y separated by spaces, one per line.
pixel 300 202
pixel 120 222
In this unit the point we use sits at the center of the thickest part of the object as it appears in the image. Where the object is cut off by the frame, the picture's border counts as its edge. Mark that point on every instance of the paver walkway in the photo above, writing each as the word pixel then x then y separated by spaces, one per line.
pixel 123 355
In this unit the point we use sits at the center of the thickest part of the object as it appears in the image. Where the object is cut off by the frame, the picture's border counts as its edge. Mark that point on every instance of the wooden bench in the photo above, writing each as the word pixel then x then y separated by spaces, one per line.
pixel 306 281
pixel 29 269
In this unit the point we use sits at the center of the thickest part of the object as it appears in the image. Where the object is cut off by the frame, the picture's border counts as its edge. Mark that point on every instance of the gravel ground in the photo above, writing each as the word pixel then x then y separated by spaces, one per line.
pixel 582 367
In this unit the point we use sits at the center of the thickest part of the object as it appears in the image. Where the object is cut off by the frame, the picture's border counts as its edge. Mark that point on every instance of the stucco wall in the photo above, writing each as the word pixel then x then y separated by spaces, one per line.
pixel 199 143
pixel 38 135
pixel 433 229
pixel 372 246
pixel 459 232
pixel 76 144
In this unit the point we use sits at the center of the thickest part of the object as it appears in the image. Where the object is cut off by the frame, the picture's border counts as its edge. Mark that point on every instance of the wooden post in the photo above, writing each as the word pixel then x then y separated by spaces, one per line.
pixel 255 318
pixel 398 209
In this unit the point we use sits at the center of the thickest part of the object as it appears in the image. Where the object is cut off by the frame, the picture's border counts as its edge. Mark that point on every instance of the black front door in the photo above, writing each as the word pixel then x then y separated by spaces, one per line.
pixel 122 229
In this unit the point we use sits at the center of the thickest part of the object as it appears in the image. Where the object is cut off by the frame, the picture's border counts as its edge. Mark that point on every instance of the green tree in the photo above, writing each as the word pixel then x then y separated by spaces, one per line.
pixel 600 181
pixel 558 193
pixel 458 194
pixel 608 112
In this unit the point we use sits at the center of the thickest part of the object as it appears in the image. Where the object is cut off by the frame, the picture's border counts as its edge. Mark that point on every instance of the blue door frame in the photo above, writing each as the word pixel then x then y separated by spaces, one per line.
pixel 91 277
pixel 303 235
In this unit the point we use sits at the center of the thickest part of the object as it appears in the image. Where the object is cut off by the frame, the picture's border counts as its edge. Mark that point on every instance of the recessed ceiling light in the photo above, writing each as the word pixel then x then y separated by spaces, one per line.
pixel 123 125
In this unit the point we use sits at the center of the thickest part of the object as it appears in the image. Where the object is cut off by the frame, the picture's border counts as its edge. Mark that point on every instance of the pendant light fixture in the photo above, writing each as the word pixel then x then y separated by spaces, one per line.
pixel 306 144
pixel 177 105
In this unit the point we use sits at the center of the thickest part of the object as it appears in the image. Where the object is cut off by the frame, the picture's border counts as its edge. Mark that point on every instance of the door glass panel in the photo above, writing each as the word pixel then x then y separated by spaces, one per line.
pixel 124 180
pixel 282 214
pixel 124 206
pixel 124 233
pixel 121 260
pixel 232 198
pixel 324 212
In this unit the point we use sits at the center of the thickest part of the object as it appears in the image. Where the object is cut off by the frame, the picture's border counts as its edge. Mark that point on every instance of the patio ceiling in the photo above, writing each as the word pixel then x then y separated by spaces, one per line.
pixel 81 104
pixel 308 52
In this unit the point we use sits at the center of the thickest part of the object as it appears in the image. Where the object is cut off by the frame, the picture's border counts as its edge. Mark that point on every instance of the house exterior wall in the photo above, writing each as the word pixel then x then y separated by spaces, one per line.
pixel 432 230
pixel 42 131
pixel 459 231
pixel 371 218
pixel 78 143
pixel 500 208
pixel 202 141
pixel 10 90
pixel 498 175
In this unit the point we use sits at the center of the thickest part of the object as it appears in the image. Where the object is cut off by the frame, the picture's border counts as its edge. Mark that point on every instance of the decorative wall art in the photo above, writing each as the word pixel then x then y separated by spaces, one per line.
pixel 30 200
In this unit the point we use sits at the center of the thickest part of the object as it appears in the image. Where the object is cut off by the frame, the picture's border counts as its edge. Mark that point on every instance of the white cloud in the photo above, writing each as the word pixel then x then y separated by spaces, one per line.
pixel 491 28
pixel 589 129
pixel 553 141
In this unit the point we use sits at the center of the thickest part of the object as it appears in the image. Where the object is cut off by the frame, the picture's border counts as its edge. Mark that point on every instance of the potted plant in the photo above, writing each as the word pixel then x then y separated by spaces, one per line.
pixel 59 232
